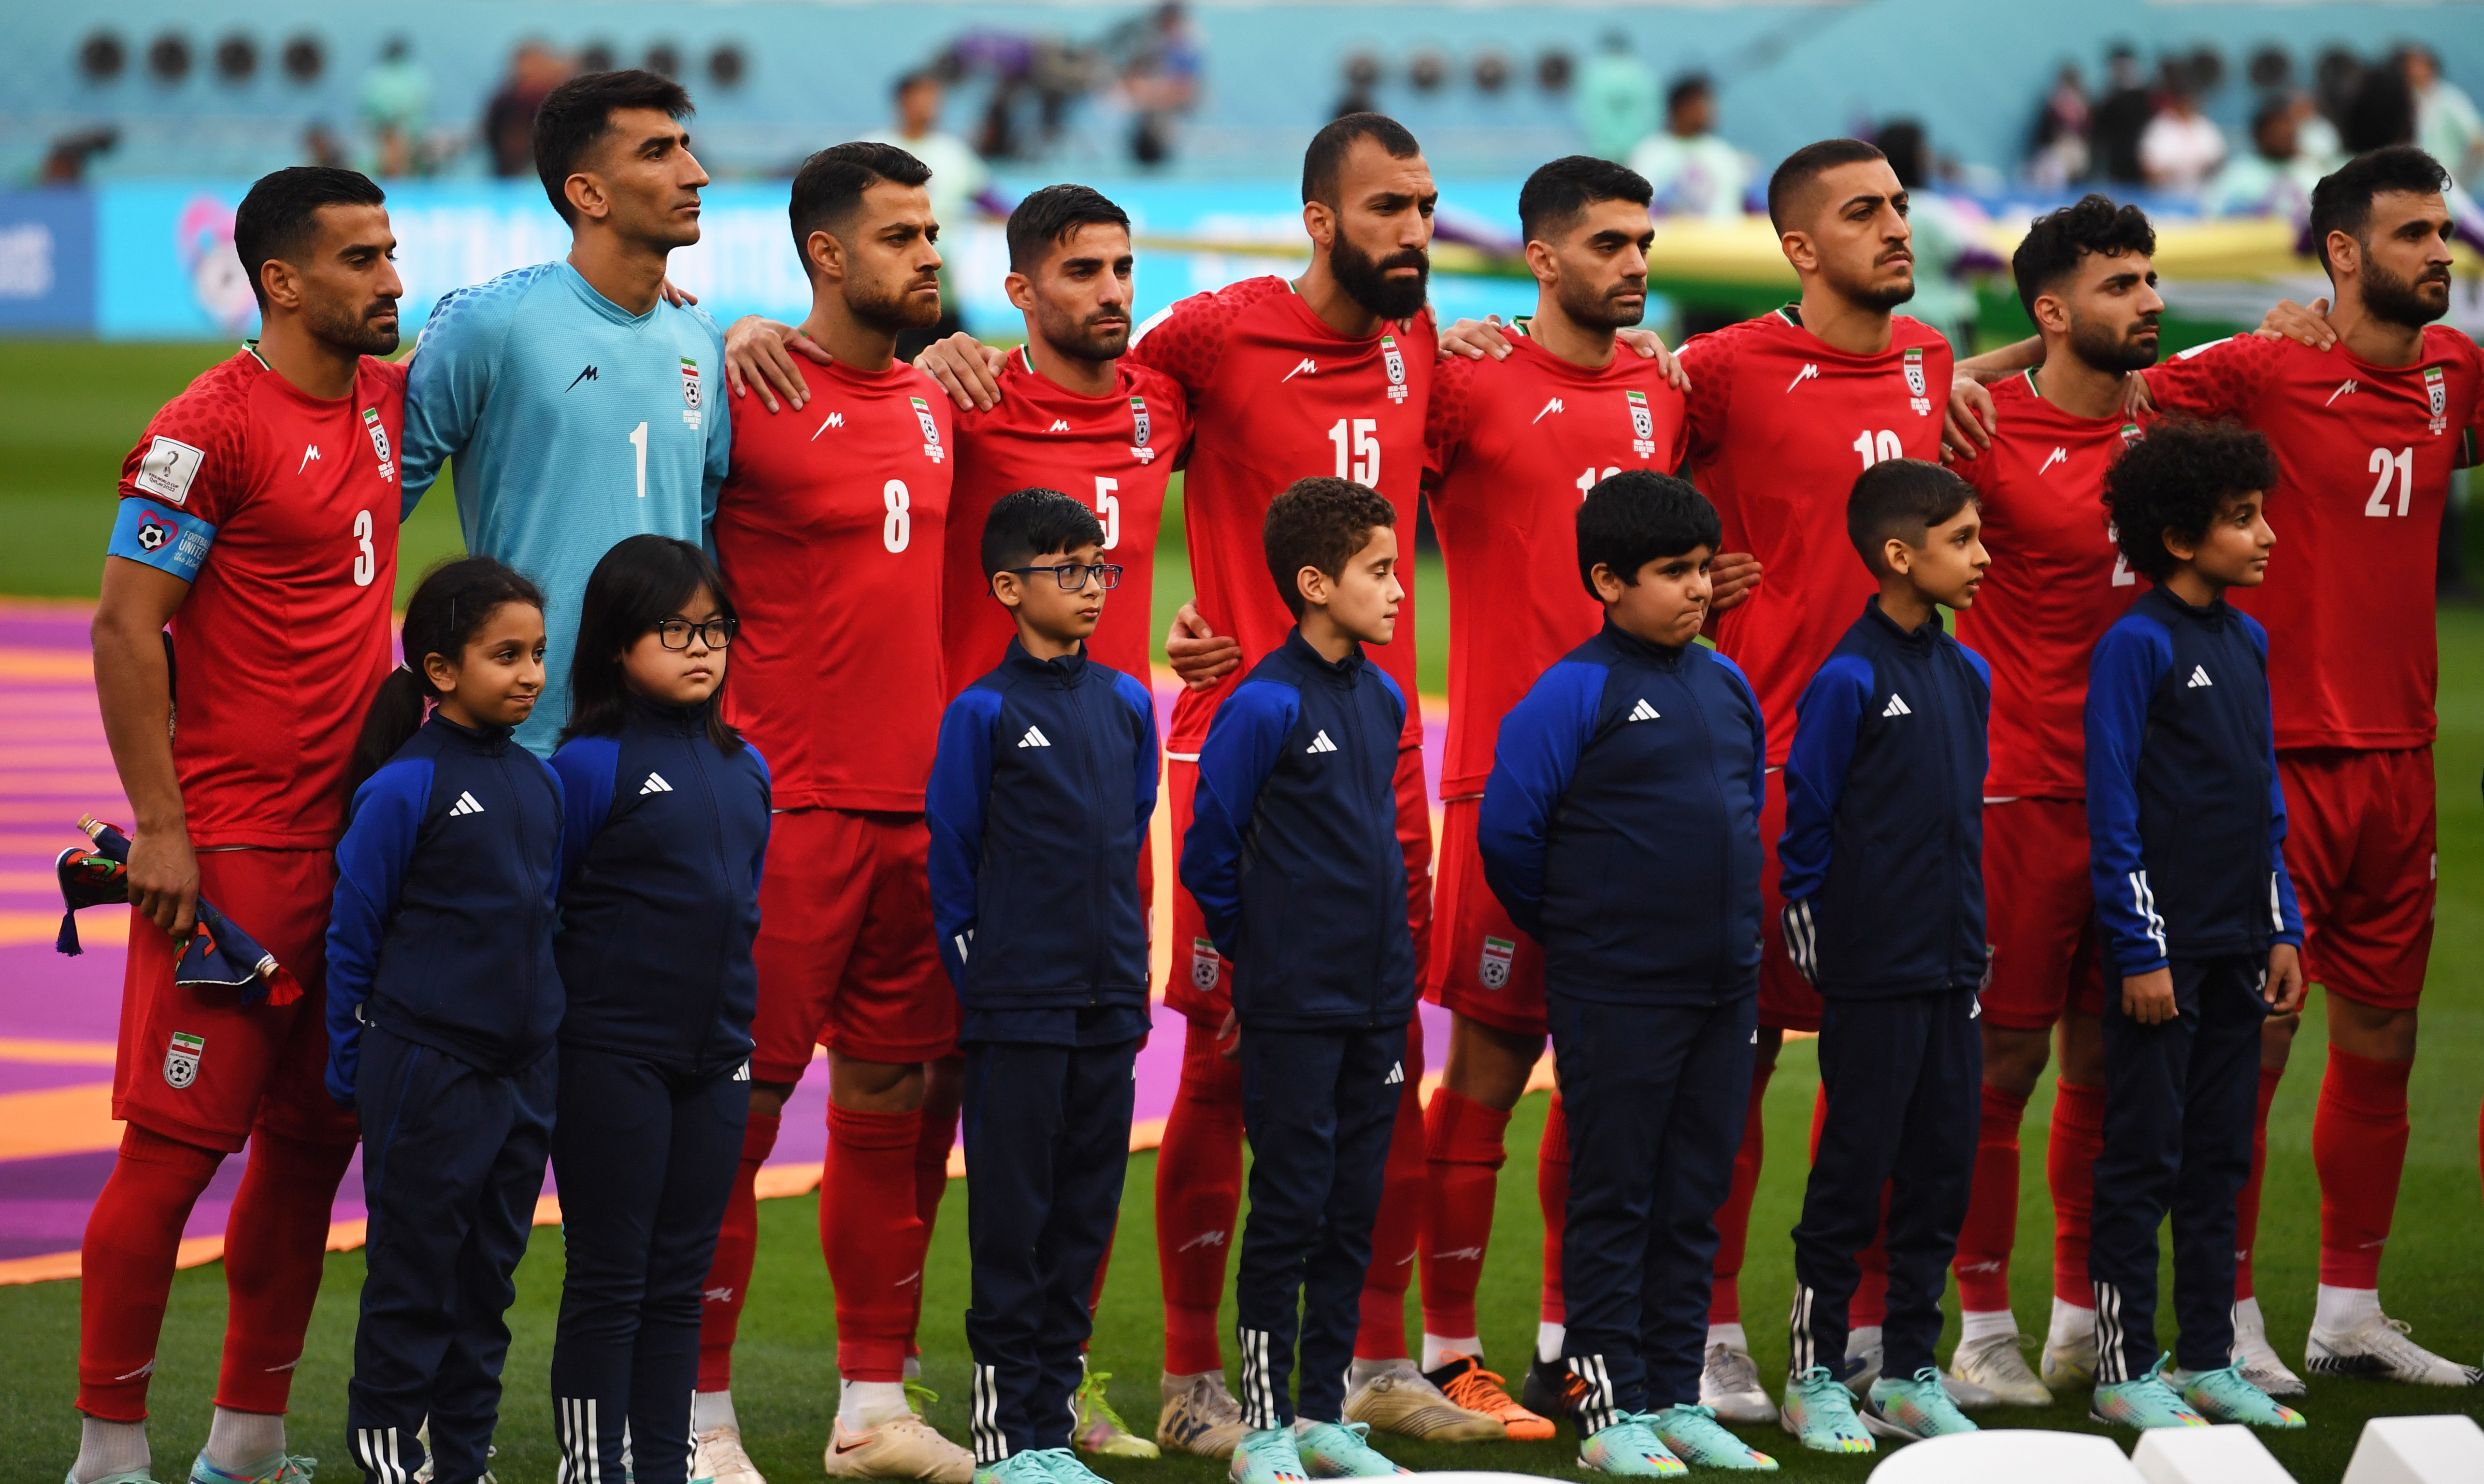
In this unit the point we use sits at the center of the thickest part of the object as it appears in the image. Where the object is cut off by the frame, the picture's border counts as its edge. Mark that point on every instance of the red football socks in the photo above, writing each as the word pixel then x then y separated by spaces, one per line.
pixel 940 1105
pixel 1465 1143
pixel 2359 1141
pixel 2069 1168
pixel 1199 1194
pixel 728 1272
pixel 1733 1217
pixel 132 1236
pixel 872 1230
pixel 1991 1226
pixel 1553 1198
pixel 1398 1232
pixel 276 1244
pixel 2247 1204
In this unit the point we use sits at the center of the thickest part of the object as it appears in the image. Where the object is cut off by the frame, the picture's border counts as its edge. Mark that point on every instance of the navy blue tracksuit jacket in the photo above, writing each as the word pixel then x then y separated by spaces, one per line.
pixel 1621 829
pixel 1293 859
pixel 443 1002
pixel 2186 830
pixel 1882 862
pixel 661 855
pixel 1039 803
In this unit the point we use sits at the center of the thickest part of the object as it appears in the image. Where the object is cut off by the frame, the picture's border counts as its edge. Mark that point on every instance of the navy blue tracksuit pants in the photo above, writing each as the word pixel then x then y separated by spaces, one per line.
pixel 1319 1107
pixel 1905 1079
pixel 1657 1096
pixel 1047 1133
pixel 645 1158
pixel 452 1162
pixel 2178 1103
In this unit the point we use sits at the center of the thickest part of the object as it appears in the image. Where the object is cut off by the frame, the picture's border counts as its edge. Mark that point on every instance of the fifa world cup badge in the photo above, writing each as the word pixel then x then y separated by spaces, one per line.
pixel 1396 364
pixel 1202 964
pixel 379 442
pixel 1139 448
pixel 690 404
pixel 1642 435
pixel 181 1062
pixel 931 448
pixel 2436 390
pixel 1916 396
pixel 1494 967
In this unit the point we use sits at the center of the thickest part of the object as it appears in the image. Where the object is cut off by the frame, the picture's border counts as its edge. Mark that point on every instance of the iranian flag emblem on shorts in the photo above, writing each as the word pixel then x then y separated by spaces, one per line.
pixel 1202 964
pixel 1494 967
pixel 181 1062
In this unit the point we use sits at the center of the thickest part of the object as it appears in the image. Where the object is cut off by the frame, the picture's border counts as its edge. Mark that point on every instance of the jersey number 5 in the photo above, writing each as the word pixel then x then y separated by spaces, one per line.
pixel 1358 461
pixel 1108 509
pixel 2383 465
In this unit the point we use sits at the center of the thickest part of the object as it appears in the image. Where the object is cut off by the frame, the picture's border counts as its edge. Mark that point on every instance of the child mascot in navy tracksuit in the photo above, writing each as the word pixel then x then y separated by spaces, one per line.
pixel 1621 829
pixel 2186 826
pixel 1039 802
pixel 1292 855
pixel 666 830
pixel 443 1002
pixel 1882 862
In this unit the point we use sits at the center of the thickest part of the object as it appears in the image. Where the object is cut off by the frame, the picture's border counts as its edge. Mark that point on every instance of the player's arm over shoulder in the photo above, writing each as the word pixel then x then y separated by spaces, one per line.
pixel 2220 379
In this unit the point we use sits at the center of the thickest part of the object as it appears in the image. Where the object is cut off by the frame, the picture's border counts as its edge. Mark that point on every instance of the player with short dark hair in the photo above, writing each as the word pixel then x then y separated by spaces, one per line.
pixel 257 522
pixel 576 398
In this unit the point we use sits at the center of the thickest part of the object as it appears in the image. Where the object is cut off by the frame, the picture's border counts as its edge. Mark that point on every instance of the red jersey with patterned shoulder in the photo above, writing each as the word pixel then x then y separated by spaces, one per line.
pixel 280 509
pixel 2364 455
pixel 829 527
pixel 1276 396
pixel 1781 423
pixel 1511 448
pixel 2057 584
pixel 1114 452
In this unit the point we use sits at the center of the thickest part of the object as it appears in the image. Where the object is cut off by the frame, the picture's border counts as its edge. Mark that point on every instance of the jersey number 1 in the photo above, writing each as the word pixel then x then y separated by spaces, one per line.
pixel 638 442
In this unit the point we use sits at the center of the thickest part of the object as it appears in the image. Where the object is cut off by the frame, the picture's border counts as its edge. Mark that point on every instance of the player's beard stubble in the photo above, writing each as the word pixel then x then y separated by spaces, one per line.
pixel 1617 307
pixel 2108 347
pixel 369 330
pixel 893 310
pixel 2402 302
pixel 1366 279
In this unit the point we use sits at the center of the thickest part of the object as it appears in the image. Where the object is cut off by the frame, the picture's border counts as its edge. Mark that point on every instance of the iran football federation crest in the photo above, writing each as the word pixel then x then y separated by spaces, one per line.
pixel 181 1062
pixel 1139 448
pixel 2131 438
pixel 1642 441
pixel 1396 362
pixel 1916 396
pixel 1493 968
pixel 1202 965
pixel 691 407
pixel 379 440
pixel 931 448
pixel 2435 392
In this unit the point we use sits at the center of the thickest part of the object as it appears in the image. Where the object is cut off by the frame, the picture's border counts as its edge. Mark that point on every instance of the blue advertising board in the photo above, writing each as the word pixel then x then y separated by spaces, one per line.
pixel 47 268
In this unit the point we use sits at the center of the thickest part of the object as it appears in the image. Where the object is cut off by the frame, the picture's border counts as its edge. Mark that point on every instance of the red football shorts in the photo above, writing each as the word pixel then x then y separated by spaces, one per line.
pixel 1484 968
pixel 1787 1000
pixel 2040 913
pixel 235 1064
pixel 2360 844
pixel 1202 981
pixel 845 951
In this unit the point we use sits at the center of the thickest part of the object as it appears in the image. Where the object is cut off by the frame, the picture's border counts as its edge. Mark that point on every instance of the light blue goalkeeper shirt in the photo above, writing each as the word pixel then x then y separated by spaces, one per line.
pixel 575 423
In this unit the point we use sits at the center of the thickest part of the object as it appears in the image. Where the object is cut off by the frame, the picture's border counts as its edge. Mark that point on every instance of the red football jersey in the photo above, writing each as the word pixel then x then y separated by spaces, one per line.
pixel 1781 423
pixel 2364 455
pixel 280 509
pixel 2057 584
pixel 1115 451
pixel 1276 396
pixel 829 527
pixel 1511 448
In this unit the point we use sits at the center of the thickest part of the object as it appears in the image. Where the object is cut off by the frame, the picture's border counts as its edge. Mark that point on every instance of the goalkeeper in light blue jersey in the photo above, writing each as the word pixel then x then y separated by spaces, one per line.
pixel 580 407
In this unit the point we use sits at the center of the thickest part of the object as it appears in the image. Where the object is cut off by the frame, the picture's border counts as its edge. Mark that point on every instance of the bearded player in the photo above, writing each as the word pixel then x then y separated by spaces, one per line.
pixel 258 519
pixel 830 528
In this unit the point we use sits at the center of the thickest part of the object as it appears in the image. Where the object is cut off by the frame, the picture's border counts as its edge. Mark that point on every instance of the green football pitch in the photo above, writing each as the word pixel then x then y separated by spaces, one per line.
pixel 68 412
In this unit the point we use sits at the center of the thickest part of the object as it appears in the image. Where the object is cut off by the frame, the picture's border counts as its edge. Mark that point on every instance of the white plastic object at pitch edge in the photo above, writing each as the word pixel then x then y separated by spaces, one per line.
pixel 2228 1453
pixel 2445 1449
pixel 2021 1456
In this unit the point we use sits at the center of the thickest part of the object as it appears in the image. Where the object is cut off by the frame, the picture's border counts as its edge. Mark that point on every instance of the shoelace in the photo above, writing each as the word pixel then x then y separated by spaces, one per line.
pixel 1736 1370
pixel 1092 1393
pixel 1475 1379
pixel 919 1397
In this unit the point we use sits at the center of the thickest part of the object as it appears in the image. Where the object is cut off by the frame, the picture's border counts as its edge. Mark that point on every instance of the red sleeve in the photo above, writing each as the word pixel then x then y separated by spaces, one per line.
pixel 1445 416
pixel 1708 361
pixel 2221 379
pixel 1187 339
pixel 195 454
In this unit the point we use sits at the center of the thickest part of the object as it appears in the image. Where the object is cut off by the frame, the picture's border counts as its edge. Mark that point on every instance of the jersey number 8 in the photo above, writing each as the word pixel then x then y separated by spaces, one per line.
pixel 899 528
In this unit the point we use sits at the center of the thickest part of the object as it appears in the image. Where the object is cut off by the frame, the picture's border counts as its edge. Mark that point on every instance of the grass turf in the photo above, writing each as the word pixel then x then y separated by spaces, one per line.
pixel 68 413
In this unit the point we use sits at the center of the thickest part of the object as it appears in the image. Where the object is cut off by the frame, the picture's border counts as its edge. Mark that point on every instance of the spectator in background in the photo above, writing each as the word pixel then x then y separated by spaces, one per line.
pixel 1616 98
pixel 2181 147
pixel 2447 124
pixel 1163 82
pixel 2058 144
pixel 2274 179
pixel 2382 112
pixel 320 145
pixel 397 105
pixel 2122 117
pixel 1945 234
pixel 959 176
pixel 510 119
pixel 1695 173
pixel 2315 137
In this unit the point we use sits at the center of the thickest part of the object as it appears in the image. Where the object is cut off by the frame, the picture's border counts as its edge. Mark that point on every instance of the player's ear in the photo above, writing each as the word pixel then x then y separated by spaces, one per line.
pixel 1800 250
pixel 827 254
pixel 1020 290
pixel 1319 223
pixel 586 196
pixel 2051 313
pixel 277 285
pixel 1541 262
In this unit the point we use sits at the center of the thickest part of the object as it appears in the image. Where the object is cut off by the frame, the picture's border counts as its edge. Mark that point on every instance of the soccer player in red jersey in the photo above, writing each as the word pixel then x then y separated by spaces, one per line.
pixel 1785 411
pixel 259 518
pixel 1512 445
pixel 2087 276
pixel 830 528
pixel 2365 433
